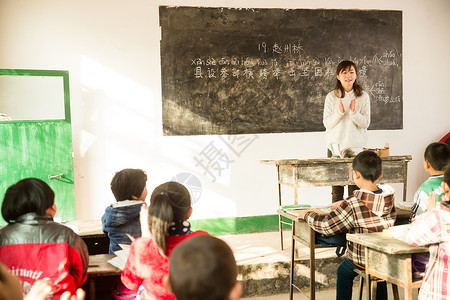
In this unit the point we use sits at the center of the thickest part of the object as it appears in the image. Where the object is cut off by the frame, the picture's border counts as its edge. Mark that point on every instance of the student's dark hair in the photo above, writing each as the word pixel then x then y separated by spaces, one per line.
pixel 128 183
pixel 446 179
pixel 27 196
pixel 368 163
pixel 202 267
pixel 438 155
pixel 169 202
pixel 345 66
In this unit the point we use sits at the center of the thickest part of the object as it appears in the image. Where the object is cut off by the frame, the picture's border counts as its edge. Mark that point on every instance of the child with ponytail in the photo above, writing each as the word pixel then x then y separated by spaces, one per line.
pixel 164 225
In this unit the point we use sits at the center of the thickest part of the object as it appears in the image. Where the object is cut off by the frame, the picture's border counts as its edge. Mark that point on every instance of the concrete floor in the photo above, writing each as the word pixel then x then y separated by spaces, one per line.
pixel 265 247
pixel 325 295
pixel 320 295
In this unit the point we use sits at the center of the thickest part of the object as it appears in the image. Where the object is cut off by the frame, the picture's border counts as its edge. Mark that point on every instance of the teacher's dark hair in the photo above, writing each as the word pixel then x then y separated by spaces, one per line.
pixel 345 66
pixel 27 196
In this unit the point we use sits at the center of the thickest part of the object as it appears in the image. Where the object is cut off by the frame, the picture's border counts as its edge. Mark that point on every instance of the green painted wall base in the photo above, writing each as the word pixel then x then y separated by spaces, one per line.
pixel 238 225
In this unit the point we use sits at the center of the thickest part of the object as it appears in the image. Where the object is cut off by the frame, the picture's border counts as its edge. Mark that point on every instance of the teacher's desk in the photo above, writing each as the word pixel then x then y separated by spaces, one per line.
pixel 298 173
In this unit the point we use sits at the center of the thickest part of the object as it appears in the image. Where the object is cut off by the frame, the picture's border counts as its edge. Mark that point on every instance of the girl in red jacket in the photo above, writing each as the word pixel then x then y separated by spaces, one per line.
pixel 164 225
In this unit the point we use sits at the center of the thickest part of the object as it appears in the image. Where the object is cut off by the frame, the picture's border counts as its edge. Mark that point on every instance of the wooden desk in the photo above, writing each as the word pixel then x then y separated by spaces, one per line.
pixel 298 173
pixel 86 227
pixel 99 267
pixel 302 233
pixel 92 234
pixel 389 259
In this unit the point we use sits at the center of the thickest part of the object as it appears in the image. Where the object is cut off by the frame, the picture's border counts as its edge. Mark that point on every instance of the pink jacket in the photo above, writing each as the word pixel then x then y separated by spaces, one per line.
pixel 146 265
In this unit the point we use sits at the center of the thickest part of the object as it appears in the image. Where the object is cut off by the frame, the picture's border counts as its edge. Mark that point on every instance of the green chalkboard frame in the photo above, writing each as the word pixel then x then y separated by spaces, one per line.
pixel 31 72
pixel 40 149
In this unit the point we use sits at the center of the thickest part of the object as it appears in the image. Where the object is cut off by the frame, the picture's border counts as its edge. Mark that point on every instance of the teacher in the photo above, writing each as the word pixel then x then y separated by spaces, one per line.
pixel 346 116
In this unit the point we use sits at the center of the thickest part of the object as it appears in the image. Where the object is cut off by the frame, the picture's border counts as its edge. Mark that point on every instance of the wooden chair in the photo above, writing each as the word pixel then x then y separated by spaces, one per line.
pixel 363 280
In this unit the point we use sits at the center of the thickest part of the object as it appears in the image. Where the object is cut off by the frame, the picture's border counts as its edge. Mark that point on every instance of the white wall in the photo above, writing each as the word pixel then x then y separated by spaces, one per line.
pixel 111 49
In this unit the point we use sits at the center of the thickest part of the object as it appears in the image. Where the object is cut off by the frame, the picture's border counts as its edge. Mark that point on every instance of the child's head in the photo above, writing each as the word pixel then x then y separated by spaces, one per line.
pixel 437 155
pixel 446 184
pixel 203 267
pixel 169 202
pixel 368 163
pixel 27 196
pixel 129 184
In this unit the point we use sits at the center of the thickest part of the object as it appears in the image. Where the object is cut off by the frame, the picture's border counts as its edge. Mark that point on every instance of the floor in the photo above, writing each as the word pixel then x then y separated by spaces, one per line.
pixel 265 247
pixel 323 295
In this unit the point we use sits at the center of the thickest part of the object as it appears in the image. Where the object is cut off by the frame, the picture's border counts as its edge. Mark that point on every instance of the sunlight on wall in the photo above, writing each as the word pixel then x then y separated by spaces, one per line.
pixel 86 141
pixel 113 103
pixel 96 76
pixel 122 127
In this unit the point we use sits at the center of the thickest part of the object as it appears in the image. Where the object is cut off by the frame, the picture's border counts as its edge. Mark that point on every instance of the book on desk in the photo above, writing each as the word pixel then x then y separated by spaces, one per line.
pixel 297 208
pixel 120 259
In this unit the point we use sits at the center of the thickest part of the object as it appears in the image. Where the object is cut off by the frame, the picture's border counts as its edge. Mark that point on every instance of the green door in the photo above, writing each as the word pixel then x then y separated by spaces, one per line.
pixel 37 148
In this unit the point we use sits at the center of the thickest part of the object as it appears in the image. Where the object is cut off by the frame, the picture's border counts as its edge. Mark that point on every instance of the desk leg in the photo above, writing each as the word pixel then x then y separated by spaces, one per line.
pixel 91 288
pixel 408 292
pixel 405 174
pixel 407 269
pixel 312 264
pixel 291 279
pixel 367 285
pixel 395 291
pixel 280 223
pixel 280 227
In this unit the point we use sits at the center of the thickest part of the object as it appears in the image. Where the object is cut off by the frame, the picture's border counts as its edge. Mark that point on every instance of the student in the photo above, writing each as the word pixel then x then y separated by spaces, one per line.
pixel 436 157
pixel 122 218
pixel 433 228
pixel 164 225
pixel 370 209
pixel 11 288
pixel 35 247
pixel 203 268
pixel 346 116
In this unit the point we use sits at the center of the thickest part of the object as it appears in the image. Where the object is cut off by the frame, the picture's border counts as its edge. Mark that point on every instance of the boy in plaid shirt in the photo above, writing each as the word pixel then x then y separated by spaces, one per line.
pixel 370 209
pixel 433 228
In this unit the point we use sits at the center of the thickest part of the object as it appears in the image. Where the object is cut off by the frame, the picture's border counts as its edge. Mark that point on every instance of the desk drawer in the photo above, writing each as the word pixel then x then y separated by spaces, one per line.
pixel 97 244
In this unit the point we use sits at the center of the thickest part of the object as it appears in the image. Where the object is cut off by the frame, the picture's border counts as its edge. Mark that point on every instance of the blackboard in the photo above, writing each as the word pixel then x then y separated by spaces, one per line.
pixel 242 71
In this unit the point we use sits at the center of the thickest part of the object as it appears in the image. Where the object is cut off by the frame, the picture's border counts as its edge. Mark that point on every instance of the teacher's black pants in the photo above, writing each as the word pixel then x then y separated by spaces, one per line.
pixel 337 191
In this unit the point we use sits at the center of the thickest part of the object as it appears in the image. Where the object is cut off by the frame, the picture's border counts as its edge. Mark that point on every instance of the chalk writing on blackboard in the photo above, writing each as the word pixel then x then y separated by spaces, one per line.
pixel 232 71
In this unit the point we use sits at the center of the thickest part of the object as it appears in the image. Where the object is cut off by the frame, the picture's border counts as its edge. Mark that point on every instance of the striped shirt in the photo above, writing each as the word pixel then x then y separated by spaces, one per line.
pixel 432 184
pixel 433 228
pixel 364 212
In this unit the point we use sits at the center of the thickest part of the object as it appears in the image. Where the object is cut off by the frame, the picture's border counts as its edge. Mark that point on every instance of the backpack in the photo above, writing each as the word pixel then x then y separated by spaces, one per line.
pixel 338 240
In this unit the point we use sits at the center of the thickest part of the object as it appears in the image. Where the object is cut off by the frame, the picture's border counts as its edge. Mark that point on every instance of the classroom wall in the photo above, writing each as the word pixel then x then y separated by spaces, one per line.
pixel 111 50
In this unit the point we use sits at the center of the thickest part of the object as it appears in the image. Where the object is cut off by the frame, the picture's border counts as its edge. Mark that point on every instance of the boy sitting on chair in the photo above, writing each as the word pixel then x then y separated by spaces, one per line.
pixel 370 209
